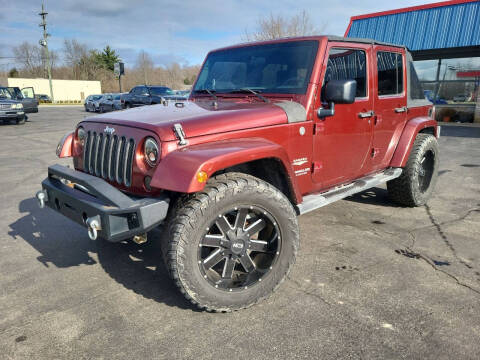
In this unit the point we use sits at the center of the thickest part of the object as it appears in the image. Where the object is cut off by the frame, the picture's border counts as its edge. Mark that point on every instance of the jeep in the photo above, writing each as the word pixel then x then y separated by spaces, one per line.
pixel 272 130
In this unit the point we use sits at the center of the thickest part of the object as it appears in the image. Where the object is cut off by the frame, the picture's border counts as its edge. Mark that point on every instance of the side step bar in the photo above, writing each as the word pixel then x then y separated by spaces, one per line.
pixel 315 201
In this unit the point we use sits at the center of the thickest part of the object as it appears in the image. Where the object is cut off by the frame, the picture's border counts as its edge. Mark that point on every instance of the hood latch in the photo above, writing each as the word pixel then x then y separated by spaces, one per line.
pixel 180 134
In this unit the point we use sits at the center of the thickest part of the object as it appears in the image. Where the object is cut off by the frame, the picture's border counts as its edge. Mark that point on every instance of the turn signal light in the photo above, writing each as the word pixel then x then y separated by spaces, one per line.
pixel 202 176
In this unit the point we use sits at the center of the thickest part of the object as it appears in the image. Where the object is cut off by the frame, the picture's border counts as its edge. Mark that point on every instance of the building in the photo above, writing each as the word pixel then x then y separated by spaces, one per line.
pixel 444 39
pixel 63 90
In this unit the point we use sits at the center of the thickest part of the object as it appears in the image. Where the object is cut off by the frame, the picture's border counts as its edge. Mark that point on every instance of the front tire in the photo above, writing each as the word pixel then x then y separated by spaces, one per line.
pixel 231 245
pixel 415 186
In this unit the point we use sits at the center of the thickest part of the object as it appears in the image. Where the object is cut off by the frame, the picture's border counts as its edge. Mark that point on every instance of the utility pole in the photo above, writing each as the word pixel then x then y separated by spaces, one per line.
pixel 44 42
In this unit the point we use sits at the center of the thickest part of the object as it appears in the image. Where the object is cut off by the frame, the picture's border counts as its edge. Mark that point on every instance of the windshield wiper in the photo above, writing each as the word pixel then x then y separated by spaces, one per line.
pixel 206 91
pixel 248 90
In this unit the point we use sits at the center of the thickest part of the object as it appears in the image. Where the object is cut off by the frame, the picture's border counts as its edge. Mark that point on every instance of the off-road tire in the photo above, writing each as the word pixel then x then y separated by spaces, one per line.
pixel 193 213
pixel 406 189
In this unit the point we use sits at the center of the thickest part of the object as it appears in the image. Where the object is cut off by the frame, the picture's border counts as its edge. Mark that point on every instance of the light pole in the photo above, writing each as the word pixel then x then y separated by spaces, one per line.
pixel 44 42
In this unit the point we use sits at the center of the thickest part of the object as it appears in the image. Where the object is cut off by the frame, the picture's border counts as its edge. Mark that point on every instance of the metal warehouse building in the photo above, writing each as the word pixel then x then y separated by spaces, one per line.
pixel 444 39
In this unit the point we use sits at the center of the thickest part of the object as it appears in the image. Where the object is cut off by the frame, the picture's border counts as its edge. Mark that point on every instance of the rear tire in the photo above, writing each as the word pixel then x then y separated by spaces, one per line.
pixel 415 186
pixel 252 263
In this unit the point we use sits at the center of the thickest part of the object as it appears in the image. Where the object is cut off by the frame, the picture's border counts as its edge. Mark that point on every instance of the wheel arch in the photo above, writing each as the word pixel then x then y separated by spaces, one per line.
pixel 413 127
pixel 254 156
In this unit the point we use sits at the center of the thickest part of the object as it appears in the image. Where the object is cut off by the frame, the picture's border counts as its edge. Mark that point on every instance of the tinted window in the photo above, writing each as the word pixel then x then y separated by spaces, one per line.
pixel 116 97
pixel 348 64
pixel 272 68
pixel 161 90
pixel 390 73
pixel 4 93
pixel 415 87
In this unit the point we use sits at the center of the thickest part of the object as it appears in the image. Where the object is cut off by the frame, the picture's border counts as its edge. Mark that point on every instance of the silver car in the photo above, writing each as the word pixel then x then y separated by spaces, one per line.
pixel 92 103
pixel 110 102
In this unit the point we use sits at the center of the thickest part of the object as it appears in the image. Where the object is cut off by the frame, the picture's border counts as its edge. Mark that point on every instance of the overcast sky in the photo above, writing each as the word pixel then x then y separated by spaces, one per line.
pixel 182 30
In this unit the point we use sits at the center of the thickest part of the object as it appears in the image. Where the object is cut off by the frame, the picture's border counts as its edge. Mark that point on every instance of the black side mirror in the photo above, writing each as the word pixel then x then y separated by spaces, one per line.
pixel 338 92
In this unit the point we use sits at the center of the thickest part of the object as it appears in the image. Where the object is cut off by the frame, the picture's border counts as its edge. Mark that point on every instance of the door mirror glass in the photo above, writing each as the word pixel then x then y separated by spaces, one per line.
pixel 340 91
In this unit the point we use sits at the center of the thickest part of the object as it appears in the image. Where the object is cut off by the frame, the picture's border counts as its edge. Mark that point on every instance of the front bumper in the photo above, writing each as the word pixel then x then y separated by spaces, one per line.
pixel 97 205
pixel 12 115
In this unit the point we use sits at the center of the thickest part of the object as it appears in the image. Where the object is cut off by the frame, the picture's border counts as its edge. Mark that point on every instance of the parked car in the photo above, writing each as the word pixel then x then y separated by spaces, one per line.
pixel 460 98
pixel 146 95
pixel 236 165
pixel 26 96
pixel 43 98
pixel 110 102
pixel 11 109
pixel 92 103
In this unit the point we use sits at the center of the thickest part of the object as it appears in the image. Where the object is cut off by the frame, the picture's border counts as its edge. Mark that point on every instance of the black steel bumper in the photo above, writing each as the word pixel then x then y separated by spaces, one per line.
pixel 94 203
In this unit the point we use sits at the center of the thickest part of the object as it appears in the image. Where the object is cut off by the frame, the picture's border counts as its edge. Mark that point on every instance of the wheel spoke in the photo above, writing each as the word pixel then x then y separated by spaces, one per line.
pixel 223 224
pixel 255 227
pixel 247 263
pixel 228 268
pixel 214 258
pixel 212 240
pixel 258 245
pixel 240 219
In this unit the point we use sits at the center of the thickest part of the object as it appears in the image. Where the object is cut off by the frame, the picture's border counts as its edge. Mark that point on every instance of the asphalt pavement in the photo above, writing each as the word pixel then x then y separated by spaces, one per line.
pixel 372 280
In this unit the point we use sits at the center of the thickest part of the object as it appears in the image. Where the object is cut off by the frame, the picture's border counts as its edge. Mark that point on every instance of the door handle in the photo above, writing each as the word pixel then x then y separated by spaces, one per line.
pixel 401 109
pixel 367 114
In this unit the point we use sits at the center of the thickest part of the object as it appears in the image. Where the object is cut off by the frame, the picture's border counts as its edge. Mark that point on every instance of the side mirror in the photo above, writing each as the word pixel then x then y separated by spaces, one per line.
pixel 338 92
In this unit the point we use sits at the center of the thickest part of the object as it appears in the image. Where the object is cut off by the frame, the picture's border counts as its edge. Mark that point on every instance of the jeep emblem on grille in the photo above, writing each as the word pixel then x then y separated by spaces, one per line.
pixel 109 130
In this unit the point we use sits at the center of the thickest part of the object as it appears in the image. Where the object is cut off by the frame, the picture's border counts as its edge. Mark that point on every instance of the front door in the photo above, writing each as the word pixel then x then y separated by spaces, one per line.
pixel 390 101
pixel 342 142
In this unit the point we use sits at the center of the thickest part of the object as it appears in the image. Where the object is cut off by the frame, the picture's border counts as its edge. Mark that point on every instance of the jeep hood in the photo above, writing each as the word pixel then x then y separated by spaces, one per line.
pixel 198 118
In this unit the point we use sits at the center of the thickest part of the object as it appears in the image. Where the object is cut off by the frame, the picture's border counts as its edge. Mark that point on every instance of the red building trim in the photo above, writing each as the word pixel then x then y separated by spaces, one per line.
pixel 407 9
pixel 468 73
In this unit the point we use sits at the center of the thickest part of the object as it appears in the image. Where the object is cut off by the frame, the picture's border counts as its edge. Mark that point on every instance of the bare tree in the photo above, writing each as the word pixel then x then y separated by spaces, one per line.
pixel 30 58
pixel 145 65
pixel 74 53
pixel 277 26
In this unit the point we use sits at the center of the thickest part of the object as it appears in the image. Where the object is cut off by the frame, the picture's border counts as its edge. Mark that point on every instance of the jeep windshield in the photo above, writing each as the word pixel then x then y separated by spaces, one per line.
pixel 271 68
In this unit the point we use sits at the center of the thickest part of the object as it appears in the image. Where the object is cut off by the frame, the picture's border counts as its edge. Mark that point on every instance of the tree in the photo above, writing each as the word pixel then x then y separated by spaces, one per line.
pixel 277 26
pixel 13 73
pixel 145 65
pixel 107 58
pixel 74 53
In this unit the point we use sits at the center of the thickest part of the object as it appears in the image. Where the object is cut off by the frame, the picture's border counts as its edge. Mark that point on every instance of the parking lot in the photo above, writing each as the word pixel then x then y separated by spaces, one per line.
pixel 372 280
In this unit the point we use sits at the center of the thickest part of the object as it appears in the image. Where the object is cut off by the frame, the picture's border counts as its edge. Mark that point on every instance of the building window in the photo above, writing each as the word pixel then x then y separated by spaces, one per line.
pixel 390 73
pixel 348 64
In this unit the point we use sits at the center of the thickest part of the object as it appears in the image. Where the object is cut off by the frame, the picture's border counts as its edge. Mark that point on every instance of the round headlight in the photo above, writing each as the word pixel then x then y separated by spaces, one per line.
pixel 151 151
pixel 81 135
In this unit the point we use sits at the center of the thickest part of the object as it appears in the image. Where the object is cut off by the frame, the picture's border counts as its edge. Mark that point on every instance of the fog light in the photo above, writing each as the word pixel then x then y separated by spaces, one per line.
pixel 202 176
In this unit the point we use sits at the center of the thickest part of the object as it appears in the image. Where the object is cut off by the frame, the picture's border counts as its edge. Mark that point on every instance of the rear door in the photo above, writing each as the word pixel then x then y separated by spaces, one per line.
pixel 390 103
pixel 342 142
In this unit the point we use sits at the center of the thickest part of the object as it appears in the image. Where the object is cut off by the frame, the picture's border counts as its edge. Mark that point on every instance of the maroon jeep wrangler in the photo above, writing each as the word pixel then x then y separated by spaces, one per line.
pixel 272 130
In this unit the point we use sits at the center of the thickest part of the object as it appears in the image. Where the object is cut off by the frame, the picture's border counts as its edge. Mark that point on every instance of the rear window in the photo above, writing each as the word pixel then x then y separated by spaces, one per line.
pixel 415 86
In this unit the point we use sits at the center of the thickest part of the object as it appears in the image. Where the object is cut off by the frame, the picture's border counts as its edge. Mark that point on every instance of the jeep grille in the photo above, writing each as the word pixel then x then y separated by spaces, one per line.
pixel 109 156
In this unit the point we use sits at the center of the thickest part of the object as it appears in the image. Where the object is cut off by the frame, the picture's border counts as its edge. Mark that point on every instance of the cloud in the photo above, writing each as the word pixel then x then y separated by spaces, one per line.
pixel 170 30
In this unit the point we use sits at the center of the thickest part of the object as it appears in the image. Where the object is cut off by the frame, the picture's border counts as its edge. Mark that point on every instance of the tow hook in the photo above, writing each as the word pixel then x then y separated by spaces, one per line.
pixel 93 225
pixel 140 239
pixel 42 197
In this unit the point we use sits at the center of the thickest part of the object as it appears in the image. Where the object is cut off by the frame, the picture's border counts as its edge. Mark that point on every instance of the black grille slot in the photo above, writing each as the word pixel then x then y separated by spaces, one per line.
pixel 109 157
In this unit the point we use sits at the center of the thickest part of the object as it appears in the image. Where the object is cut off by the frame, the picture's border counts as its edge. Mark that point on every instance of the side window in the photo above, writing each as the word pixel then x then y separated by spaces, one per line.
pixel 390 73
pixel 348 64
pixel 136 91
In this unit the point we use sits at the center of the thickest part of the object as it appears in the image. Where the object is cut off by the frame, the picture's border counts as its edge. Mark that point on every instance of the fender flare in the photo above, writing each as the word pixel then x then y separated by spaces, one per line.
pixel 409 134
pixel 177 170
pixel 64 147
